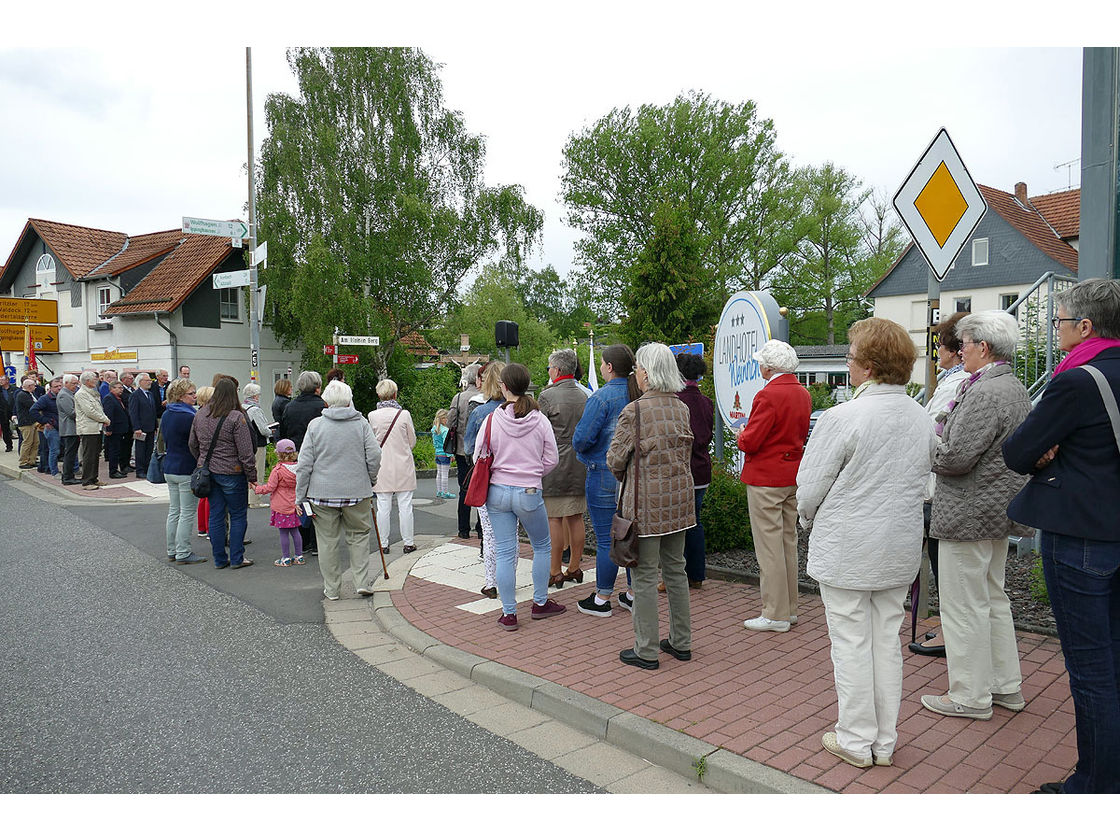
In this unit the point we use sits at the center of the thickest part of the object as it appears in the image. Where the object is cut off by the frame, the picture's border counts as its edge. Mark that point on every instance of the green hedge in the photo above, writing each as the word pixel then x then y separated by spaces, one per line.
pixel 725 516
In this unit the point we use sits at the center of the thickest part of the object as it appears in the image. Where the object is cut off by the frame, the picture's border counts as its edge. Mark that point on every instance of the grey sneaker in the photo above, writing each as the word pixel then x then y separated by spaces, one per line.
pixel 1013 701
pixel 944 706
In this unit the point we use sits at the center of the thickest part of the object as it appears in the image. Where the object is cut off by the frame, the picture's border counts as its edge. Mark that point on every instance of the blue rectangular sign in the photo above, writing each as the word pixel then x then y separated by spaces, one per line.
pixel 696 347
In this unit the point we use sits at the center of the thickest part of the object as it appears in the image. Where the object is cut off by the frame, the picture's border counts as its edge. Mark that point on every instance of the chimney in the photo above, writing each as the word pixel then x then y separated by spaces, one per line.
pixel 1021 193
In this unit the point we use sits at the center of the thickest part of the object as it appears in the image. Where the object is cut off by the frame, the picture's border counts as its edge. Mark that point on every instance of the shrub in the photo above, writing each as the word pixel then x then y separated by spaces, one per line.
pixel 821 392
pixel 1038 580
pixel 725 515
pixel 424 454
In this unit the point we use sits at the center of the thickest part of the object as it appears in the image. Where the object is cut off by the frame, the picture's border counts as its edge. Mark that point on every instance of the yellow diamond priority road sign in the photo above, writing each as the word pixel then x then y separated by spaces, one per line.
pixel 940 204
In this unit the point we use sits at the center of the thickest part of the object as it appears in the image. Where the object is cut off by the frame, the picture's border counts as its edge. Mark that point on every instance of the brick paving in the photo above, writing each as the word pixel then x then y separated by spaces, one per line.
pixel 766 696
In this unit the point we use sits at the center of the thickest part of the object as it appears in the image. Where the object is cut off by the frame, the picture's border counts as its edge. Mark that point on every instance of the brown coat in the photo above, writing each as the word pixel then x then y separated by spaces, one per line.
pixel 666 495
pixel 563 404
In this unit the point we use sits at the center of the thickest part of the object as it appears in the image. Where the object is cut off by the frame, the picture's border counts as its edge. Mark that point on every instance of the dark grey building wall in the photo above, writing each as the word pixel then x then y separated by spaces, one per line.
pixel 201 309
pixel 1012 260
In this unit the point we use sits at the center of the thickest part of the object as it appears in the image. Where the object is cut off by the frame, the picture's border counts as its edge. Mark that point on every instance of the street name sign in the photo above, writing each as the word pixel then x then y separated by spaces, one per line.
pixel 347 359
pixel 231 279
pixel 216 227
pixel 360 340
pixel 44 337
pixel 24 310
pixel 940 204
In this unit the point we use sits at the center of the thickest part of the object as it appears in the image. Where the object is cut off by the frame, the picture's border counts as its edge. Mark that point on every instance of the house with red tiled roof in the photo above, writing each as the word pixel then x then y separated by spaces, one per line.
pixel 1019 240
pixel 150 295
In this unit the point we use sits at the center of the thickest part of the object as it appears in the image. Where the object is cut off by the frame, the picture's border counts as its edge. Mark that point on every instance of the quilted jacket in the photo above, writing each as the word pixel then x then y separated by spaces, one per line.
pixel 563 405
pixel 861 485
pixel 974 485
pixel 666 494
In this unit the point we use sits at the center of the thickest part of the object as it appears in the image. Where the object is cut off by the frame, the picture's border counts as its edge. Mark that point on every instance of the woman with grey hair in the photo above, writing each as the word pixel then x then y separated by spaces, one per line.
pixel 396 436
pixel 650 453
pixel 1068 446
pixel 258 430
pixel 773 441
pixel 457 416
pixel 969 518
pixel 338 483
pixel 562 403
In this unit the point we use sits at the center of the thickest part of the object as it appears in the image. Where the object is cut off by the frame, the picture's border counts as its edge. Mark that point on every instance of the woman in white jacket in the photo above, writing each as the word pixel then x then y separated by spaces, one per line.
pixel 861 486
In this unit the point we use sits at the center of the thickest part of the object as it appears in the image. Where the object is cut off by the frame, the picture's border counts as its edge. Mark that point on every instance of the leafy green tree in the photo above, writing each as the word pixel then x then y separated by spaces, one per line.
pixel 494 297
pixel 664 299
pixel 881 235
pixel 372 200
pixel 824 282
pixel 715 161
pixel 557 302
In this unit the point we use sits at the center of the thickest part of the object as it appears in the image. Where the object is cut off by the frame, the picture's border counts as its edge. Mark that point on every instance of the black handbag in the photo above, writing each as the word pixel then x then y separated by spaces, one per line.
pixel 624 532
pixel 200 478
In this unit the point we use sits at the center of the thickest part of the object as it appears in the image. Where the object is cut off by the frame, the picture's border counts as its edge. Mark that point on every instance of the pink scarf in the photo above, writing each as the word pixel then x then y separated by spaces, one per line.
pixel 1086 351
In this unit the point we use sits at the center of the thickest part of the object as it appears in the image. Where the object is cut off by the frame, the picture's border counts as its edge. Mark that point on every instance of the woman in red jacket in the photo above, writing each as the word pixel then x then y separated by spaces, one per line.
pixel 774 440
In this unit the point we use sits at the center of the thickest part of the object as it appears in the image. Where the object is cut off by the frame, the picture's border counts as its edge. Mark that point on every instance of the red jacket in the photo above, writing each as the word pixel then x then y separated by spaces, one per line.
pixel 774 437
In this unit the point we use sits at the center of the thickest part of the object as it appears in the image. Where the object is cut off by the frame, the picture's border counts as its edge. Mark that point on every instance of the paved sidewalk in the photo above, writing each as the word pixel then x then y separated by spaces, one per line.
pixel 130 489
pixel 765 698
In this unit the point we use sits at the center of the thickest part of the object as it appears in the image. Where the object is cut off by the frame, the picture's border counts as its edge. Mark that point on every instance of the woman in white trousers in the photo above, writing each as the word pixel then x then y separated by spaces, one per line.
pixel 392 426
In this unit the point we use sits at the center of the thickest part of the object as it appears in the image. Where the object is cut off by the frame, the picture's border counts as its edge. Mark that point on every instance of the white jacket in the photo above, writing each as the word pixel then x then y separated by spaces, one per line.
pixel 861 485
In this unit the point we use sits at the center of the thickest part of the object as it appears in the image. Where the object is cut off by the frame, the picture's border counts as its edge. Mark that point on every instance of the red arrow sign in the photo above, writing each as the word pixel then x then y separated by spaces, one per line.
pixel 328 349
pixel 347 360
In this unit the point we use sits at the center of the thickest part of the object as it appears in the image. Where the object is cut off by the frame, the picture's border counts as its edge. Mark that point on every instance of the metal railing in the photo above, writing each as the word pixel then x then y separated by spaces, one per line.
pixel 1038 353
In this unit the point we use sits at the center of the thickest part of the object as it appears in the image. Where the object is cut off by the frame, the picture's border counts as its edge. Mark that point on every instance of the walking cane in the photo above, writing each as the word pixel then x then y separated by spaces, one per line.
pixel 380 551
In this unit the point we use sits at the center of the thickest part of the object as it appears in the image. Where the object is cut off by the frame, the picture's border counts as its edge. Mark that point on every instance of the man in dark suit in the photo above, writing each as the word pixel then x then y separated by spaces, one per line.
pixel 142 414
pixel 159 391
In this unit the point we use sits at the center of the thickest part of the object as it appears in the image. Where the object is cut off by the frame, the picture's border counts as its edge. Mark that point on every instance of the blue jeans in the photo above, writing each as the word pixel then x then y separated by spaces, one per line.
pixel 507 505
pixel 601 489
pixel 1083 580
pixel 48 450
pixel 694 553
pixel 181 510
pixel 228 493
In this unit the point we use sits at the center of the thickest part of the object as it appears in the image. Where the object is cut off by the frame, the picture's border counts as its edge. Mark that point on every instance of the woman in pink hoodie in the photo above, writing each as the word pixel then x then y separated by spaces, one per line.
pixel 524 448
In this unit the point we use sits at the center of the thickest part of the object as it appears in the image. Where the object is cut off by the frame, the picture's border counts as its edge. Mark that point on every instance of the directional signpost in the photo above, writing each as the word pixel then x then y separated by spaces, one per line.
pixel 347 359
pixel 941 206
pixel 231 279
pixel 216 227
pixel 29 318
pixel 44 337
pixel 360 340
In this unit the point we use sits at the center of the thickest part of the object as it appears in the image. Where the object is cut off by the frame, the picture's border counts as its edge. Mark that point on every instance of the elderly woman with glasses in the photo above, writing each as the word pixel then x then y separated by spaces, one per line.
pixel 655 447
pixel 969 519
pixel 772 443
pixel 1068 446
pixel 860 487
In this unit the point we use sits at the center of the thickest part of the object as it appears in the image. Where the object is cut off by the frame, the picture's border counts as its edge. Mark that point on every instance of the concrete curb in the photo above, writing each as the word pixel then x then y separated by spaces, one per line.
pixel 723 771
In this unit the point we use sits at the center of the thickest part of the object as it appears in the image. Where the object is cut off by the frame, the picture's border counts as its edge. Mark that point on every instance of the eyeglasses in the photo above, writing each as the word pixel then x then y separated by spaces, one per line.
pixel 1057 322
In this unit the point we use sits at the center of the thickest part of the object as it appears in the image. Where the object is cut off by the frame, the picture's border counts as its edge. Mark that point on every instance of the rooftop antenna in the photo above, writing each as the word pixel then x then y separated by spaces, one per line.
pixel 1069 170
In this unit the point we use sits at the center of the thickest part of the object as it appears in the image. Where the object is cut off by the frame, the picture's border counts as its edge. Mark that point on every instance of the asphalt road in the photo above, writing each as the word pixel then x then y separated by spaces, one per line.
pixel 120 673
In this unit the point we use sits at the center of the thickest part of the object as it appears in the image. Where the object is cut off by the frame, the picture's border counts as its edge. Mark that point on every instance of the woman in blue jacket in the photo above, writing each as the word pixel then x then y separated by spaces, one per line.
pixel 591 441
pixel 1069 446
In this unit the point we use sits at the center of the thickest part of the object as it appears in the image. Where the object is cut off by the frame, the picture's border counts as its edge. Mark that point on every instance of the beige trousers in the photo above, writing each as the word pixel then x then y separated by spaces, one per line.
pixel 29 452
pixel 773 512
pixel 332 525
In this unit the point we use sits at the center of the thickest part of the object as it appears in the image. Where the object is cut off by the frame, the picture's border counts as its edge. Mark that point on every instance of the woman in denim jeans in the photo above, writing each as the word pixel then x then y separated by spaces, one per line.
pixel 178 464
pixel 591 440
pixel 1068 447
pixel 524 449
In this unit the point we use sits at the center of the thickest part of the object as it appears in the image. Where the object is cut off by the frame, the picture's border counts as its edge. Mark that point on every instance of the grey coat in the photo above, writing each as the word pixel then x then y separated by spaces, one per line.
pixel 329 464
pixel 974 485
pixel 457 416
pixel 563 404
pixel 67 421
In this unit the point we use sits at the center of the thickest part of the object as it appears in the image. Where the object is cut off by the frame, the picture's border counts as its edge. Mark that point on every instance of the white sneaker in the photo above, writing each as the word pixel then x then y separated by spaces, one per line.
pixel 365 591
pixel 792 620
pixel 764 623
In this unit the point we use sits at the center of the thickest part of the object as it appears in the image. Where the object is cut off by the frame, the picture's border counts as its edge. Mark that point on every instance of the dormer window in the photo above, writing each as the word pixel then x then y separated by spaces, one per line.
pixel 44 272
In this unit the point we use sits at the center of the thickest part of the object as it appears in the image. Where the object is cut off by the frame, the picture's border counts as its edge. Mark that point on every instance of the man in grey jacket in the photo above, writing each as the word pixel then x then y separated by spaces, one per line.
pixel 457 419
pixel 339 486
pixel 68 428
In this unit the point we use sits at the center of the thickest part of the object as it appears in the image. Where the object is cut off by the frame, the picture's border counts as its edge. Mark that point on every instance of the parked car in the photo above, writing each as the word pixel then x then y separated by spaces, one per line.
pixel 813 421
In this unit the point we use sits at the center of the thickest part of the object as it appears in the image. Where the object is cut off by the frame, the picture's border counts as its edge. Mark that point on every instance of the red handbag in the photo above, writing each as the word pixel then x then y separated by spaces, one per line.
pixel 479 486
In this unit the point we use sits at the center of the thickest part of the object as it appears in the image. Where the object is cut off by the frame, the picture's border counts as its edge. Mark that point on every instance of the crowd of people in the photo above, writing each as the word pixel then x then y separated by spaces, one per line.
pixel 879 477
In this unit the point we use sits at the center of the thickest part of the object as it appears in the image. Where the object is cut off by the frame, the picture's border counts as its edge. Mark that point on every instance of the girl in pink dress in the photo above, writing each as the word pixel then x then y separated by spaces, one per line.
pixel 282 486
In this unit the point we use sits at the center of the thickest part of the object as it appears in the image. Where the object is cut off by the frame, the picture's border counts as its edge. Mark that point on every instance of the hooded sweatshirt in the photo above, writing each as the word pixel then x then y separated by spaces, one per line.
pixel 524 448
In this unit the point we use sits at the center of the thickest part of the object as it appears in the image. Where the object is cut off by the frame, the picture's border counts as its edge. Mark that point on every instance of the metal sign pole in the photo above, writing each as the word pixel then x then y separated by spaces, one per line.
pixel 254 322
pixel 933 316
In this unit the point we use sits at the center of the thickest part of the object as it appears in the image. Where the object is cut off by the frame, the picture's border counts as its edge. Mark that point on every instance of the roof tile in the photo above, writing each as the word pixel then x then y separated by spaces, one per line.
pixel 1031 224
pixel 80 249
pixel 1062 210
pixel 173 280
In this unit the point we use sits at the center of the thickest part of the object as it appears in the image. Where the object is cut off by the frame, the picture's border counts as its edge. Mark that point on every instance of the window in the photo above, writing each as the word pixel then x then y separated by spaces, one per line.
pixel 962 304
pixel 980 251
pixel 44 272
pixel 230 306
pixel 104 298
pixel 1005 301
pixel 838 380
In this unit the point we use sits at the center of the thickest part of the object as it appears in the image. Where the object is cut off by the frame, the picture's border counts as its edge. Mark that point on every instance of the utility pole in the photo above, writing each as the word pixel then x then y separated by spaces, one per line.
pixel 1099 251
pixel 254 320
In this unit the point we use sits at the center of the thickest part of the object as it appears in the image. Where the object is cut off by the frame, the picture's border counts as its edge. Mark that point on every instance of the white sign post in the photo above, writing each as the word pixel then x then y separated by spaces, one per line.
pixel 231 279
pixel 359 340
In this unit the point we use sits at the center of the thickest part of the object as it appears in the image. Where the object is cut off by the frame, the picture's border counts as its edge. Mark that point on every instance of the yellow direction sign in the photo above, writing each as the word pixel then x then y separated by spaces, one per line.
pixel 44 337
pixel 940 204
pixel 22 310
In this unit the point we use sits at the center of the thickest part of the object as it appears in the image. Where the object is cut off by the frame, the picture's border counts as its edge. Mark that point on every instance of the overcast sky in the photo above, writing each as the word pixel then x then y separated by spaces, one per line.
pixel 131 119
